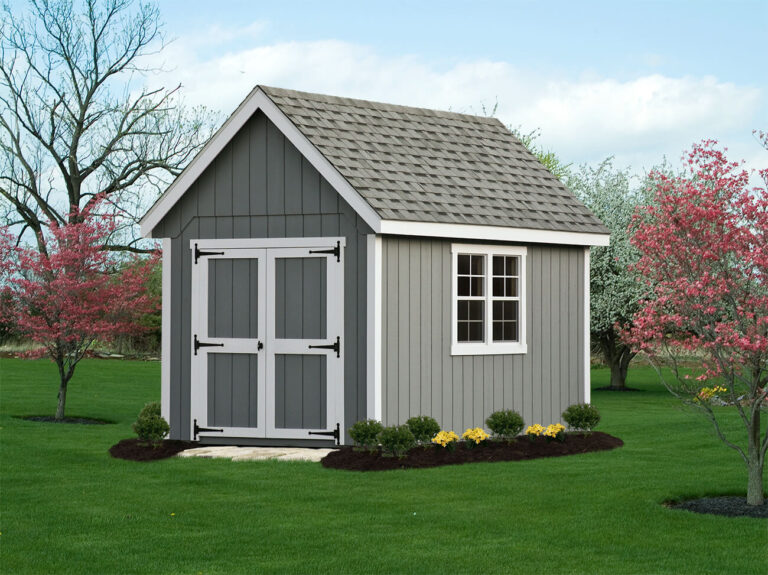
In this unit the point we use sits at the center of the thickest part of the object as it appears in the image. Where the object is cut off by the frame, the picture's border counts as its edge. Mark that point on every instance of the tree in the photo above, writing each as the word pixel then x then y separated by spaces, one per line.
pixel 704 260
pixel 68 296
pixel 546 157
pixel 75 122
pixel 614 291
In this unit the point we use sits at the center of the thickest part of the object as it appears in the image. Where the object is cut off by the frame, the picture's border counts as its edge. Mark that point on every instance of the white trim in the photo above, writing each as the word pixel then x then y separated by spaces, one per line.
pixel 587 342
pixel 374 325
pixel 489 347
pixel 258 243
pixel 256 100
pixel 165 334
pixel 492 233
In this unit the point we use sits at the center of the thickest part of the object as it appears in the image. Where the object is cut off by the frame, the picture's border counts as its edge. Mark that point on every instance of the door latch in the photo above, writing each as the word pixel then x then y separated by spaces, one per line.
pixel 198 344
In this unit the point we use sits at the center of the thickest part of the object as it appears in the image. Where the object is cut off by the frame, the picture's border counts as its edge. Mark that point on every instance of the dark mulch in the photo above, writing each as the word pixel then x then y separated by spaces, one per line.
pixel 51 419
pixel 136 450
pixel 434 456
pixel 729 505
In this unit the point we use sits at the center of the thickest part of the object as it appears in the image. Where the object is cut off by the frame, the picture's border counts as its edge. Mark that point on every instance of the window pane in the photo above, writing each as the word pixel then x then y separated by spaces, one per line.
pixel 498 287
pixel 510 331
pixel 498 265
pixel 476 310
pixel 498 330
pixel 510 310
pixel 463 332
pixel 511 265
pixel 463 261
pixel 476 331
pixel 511 285
pixel 477 265
pixel 477 285
pixel 463 310
pixel 463 286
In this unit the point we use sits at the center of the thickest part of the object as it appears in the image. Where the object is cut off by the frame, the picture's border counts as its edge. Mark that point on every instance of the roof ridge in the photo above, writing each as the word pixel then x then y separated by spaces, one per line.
pixel 328 98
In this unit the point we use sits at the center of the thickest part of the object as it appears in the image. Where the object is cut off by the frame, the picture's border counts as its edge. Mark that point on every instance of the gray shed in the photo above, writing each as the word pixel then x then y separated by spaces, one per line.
pixel 327 260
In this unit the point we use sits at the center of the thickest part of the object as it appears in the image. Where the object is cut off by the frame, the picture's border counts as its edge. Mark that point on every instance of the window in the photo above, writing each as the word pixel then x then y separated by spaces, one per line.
pixel 488 300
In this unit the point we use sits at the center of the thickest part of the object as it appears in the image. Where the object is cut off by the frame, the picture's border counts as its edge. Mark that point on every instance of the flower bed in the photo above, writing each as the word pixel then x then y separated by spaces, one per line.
pixel 518 449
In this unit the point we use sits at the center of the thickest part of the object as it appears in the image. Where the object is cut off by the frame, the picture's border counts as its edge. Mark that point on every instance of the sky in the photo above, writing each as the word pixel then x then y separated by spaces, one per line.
pixel 638 81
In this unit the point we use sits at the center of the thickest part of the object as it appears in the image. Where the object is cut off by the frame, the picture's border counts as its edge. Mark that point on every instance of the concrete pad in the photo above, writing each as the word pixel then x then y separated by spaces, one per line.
pixel 257 453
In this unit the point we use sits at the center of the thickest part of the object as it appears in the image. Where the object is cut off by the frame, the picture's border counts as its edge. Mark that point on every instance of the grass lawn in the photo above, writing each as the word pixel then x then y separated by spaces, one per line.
pixel 68 507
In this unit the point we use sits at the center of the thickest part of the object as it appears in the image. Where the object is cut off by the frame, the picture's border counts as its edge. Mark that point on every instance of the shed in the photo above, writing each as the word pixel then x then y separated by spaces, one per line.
pixel 327 260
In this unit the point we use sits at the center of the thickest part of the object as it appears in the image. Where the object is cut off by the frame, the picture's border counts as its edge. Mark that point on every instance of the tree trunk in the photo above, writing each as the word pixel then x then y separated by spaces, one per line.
pixel 755 462
pixel 62 400
pixel 617 356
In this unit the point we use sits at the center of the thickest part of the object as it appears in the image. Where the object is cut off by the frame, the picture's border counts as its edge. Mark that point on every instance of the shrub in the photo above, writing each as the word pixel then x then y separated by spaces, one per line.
pixel 365 433
pixel 474 436
pixel 582 416
pixel 447 439
pixel 150 425
pixel 423 427
pixel 397 439
pixel 505 423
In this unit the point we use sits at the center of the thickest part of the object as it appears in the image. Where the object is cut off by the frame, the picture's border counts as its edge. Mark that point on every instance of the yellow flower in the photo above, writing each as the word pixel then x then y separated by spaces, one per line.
pixel 535 429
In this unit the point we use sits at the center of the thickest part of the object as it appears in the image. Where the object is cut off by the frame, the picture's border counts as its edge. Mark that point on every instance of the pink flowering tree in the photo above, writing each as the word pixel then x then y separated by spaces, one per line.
pixel 73 294
pixel 704 259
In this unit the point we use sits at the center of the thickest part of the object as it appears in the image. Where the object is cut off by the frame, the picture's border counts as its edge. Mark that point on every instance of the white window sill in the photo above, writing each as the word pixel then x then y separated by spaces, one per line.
pixel 488 349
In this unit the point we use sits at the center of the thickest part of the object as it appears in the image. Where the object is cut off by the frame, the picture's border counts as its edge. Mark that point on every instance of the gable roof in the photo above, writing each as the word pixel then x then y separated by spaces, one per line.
pixel 414 171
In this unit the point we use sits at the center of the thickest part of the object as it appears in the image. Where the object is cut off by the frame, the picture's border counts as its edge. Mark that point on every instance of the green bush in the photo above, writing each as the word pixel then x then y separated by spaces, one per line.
pixel 397 439
pixel 150 425
pixel 505 423
pixel 365 433
pixel 582 416
pixel 423 427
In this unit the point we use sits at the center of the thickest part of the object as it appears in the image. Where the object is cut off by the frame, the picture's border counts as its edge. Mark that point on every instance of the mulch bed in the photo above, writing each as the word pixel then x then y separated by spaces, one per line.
pixel 136 450
pixel 729 505
pixel 51 419
pixel 433 456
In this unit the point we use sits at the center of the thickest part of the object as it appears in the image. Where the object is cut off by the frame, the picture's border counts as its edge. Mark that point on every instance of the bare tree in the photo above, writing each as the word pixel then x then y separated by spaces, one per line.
pixel 77 121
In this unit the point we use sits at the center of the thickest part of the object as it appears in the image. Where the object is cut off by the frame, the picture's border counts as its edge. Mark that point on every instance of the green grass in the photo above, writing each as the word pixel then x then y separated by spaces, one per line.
pixel 68 507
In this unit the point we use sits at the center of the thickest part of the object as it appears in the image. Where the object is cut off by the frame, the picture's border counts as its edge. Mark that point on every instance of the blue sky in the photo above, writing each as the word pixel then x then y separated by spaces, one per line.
pixel 634 80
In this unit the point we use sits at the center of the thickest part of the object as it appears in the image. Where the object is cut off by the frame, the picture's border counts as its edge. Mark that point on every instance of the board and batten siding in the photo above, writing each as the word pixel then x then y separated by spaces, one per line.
pixel 260 186
pixel 419 375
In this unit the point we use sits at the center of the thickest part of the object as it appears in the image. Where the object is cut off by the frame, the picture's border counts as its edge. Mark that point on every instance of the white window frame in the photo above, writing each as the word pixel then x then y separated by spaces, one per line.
pixel 488 347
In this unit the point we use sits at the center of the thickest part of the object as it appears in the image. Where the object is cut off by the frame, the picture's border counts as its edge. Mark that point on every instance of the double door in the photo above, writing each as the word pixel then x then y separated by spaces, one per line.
pixel 267 345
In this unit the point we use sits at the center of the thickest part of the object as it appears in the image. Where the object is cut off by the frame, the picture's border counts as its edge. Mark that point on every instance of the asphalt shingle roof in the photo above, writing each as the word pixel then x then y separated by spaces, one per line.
pixel 415 164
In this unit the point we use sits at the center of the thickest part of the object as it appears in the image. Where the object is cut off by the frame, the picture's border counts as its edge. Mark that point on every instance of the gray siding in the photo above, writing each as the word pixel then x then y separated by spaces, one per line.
pixel 421 377
pixel 260 186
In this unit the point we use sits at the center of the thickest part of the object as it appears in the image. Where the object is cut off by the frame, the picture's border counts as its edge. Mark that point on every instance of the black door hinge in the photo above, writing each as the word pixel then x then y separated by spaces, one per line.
pixel 336 433
pixel 199 253
pixel 198 344
pixel 198 429
pixel 335 251
pixel 334 346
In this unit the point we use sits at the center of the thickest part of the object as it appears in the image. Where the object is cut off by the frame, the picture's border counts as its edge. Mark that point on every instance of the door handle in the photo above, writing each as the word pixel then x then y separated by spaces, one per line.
pixel 259 346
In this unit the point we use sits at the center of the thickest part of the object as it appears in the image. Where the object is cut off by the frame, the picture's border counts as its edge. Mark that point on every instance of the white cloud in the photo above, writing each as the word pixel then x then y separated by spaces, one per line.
pixel 581 119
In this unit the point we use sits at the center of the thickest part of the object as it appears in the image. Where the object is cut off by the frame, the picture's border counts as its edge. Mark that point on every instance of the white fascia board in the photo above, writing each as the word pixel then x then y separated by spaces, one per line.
pixel 493 233
pixel 257 100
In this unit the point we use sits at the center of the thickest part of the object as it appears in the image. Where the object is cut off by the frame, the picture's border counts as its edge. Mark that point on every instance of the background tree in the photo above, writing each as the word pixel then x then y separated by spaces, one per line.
pixel 68 295
pixel 704 259
pixel 547 157
pixel 613 287
pixel 76 122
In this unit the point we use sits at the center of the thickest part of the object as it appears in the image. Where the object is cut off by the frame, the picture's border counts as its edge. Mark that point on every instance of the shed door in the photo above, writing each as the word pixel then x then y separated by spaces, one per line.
pixel 267 345
pixel 305 390
pixel 228 335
